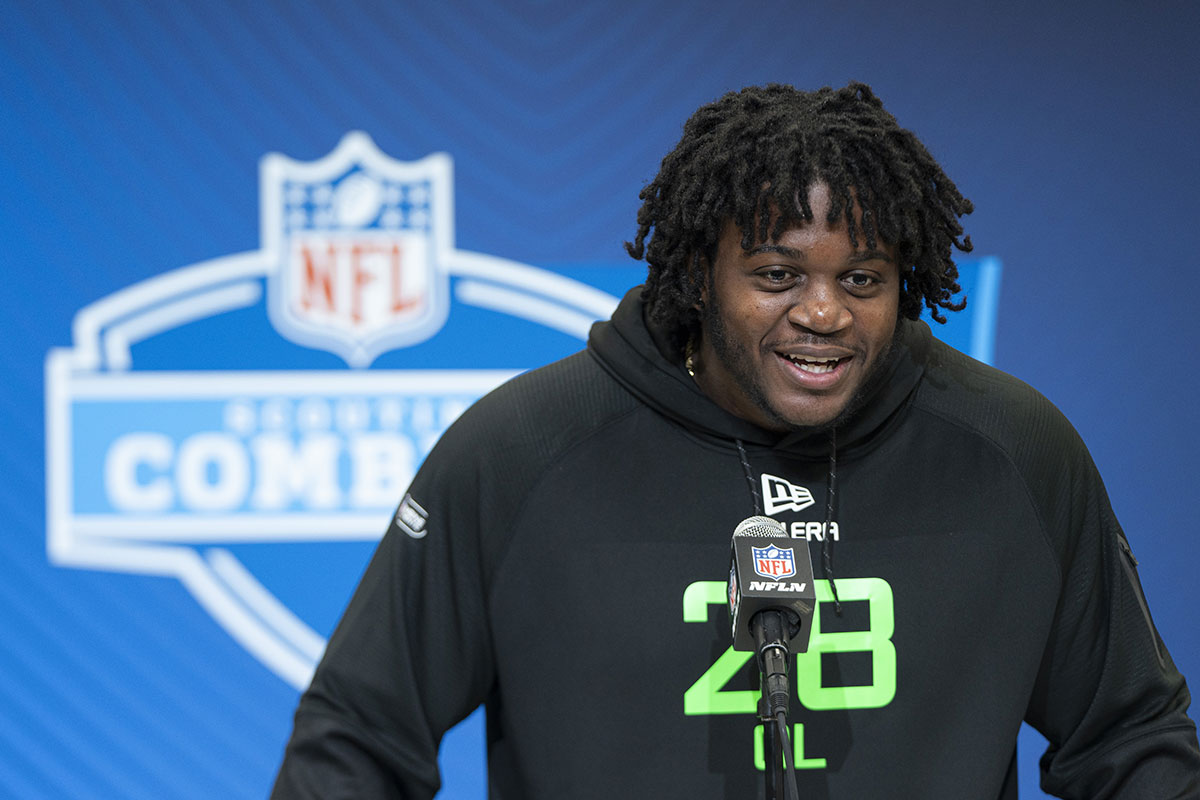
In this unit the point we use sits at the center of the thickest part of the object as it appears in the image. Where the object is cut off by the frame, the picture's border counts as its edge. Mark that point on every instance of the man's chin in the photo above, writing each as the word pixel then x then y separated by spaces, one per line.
pixel 808 417
pixel 816 423
pixel 826 412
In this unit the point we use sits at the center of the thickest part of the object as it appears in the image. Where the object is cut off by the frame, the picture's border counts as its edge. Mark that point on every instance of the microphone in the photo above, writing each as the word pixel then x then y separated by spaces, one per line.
pixel 771 600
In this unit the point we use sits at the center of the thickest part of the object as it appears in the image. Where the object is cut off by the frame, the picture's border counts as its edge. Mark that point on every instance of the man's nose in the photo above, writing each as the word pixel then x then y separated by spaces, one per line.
pixel 820 309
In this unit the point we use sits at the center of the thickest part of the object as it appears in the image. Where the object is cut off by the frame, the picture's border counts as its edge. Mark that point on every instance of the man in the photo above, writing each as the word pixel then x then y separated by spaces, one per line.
pixel 560 556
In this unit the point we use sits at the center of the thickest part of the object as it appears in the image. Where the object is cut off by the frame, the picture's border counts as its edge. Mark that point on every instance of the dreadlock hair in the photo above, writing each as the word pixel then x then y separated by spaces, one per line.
pixel 751 156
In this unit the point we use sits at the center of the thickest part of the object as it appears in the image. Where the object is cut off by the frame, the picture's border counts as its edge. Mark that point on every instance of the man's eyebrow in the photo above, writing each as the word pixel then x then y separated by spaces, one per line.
pixel 870 255
pixel 859 257
pixel 790 252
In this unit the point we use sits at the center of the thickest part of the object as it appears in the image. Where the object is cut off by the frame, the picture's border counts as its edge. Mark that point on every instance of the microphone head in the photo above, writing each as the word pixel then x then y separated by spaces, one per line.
pixel 760 526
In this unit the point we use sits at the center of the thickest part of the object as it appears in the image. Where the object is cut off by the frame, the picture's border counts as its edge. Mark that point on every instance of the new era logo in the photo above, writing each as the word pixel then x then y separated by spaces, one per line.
pixel 780 495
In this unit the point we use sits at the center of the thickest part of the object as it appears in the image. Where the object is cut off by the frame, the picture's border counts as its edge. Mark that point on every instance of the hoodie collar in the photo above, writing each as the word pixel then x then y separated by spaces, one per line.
pixel 628 349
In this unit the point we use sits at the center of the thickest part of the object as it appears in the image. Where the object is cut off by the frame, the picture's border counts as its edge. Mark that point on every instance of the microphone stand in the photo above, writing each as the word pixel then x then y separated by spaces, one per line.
pixel 773 774
pixel 773 659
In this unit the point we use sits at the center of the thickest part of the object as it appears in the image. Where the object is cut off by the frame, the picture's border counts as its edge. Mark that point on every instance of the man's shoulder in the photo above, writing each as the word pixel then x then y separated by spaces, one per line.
pixel 544 409
pixel 575 389
pixel 991 402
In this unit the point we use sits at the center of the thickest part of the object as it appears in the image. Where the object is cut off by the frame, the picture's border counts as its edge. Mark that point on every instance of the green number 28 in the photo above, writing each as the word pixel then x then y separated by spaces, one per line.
pixel 709 696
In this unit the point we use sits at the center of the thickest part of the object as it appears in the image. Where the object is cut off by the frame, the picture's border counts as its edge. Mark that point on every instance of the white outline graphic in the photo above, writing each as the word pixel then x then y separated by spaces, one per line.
pixel 98 365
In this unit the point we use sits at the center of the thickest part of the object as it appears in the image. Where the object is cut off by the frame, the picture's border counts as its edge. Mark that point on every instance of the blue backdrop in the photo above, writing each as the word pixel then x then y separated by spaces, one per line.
pixel 145 654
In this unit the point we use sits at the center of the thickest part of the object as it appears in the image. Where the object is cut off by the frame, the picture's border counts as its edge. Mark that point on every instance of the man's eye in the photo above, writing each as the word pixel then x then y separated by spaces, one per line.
pixel 776 275
pixel 860 281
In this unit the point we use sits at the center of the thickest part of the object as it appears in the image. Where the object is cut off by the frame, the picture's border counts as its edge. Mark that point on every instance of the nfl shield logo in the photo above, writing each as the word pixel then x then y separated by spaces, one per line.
pixel 774 562
pixel 358 239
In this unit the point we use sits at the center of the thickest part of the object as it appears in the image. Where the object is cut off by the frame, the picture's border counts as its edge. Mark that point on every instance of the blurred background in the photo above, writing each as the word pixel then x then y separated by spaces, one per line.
pixel 140 659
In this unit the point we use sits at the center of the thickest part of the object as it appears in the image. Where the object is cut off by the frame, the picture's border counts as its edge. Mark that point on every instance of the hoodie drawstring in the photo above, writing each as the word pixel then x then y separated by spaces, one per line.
pixel 758 505
pixel 827 539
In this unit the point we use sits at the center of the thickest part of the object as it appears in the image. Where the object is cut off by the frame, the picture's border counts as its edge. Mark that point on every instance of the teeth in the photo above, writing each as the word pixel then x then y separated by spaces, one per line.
pixel 816 366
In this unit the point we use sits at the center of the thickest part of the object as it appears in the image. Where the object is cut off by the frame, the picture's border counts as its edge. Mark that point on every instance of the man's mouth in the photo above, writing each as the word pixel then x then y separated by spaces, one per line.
pixel 814 366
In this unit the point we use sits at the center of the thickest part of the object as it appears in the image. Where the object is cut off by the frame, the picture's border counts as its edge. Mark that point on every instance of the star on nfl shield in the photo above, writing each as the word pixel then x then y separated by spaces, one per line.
pixel 359 239
pixel 774 562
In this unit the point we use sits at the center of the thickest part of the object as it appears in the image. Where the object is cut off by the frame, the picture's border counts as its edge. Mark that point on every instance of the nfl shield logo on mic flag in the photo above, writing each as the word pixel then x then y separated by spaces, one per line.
pixel 774 562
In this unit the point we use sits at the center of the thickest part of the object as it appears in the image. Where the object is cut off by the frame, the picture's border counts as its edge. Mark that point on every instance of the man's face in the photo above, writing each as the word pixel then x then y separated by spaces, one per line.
pixel 792 329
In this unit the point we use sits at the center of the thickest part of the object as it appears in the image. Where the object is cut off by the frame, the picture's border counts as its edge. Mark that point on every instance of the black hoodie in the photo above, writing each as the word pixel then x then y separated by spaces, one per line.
pixel 561 557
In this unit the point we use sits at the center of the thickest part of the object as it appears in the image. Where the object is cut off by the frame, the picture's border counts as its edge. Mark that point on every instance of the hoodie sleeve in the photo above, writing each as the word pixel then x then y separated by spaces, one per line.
pixel 1108 697
pixel 413 655
pixel 410 657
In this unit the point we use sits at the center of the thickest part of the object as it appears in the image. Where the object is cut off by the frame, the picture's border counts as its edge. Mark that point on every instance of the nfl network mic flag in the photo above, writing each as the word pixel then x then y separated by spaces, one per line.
pixel 768 569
